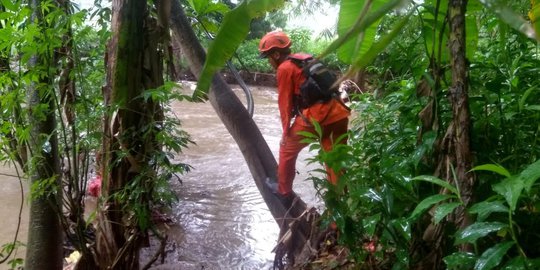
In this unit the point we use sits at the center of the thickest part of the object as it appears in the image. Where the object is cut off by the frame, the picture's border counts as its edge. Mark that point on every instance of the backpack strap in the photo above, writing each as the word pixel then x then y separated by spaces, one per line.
pixel 300 60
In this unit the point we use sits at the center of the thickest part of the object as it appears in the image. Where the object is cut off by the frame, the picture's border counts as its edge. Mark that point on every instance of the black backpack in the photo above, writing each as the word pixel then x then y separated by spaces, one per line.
pixel 319 84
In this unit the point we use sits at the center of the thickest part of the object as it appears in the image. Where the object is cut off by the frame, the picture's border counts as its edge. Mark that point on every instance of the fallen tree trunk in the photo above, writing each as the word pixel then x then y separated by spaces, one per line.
pixel 257 154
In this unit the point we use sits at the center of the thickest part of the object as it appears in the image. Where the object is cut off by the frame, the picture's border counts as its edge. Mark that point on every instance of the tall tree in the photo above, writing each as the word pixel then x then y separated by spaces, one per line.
pixel 44 248
pixel 124 73
pixel 134 64
pixel 454 160
pixel 458 140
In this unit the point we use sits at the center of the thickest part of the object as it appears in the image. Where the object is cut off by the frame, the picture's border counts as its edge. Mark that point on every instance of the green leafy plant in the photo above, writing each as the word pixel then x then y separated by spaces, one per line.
pixel 152 185
pixel 498 233
pixel 74 52
pixel 7 250
pixel 374 194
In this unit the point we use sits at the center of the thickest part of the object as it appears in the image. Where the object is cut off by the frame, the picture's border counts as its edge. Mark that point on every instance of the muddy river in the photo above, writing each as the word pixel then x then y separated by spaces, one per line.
pixel 221 220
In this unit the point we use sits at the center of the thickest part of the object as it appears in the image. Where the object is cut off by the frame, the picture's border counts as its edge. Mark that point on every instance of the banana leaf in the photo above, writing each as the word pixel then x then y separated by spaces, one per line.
pixel 232 32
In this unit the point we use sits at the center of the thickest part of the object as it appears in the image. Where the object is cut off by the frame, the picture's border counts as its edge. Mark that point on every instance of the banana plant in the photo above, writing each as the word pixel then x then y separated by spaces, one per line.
pixel 204 11
pixel 357 27
pixel 232 32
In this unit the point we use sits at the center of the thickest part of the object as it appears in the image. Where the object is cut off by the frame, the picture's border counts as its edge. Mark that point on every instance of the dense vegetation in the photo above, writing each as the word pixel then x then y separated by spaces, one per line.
pixel 394 146
pixel 403 196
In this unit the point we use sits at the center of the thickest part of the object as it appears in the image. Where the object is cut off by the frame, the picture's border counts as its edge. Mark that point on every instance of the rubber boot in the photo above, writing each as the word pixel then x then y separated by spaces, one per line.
pixel 286 200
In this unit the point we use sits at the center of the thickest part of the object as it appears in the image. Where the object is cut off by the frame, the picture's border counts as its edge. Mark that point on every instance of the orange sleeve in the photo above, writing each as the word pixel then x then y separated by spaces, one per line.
pixel 286 84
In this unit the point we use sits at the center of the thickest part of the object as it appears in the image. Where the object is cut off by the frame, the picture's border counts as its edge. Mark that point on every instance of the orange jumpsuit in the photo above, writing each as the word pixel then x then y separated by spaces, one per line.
pixel 332 116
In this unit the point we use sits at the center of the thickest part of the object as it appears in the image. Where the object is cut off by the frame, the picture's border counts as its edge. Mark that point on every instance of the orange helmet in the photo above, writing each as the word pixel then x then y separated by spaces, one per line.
pixel 273 40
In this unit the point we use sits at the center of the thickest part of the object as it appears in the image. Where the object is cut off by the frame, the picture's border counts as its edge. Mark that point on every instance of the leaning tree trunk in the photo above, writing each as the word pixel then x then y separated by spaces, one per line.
pixel 454 149
pixel 44 247
pixel 243 129
pixel 133 65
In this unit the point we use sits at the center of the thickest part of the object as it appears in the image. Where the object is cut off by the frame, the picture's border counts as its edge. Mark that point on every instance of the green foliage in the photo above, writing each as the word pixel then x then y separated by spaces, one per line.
pixel 380 198
pixel 72 47
pixel 359 17
pixel 389 146
pixel 151 187
pixel 499 213
pixel 534 16
pixel 247 56
pixel 236 25
pixel 502 102
pixel 207 14
pixel 460 260
pixel 512 18
pixel 375 194
pixel 7 250
pixel 233 31
pixel 357 28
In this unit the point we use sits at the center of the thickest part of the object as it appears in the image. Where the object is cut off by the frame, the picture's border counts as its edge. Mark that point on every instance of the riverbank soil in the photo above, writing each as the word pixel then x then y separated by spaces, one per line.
pixel 249 78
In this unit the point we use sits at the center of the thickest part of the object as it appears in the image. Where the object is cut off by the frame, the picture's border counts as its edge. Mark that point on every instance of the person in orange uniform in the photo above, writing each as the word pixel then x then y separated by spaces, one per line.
pixel 331 115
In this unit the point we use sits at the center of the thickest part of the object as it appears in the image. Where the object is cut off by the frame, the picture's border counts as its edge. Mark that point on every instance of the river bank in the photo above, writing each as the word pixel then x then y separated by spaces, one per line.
pixel 250 78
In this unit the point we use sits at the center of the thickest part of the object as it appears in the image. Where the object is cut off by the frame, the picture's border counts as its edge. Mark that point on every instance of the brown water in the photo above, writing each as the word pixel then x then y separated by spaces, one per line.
pixel 221 220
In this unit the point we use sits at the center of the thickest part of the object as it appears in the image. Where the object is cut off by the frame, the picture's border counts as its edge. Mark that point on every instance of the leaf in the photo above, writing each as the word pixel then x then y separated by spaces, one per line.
pixel 485 208
pixel 510 189
pixel 5 15
pixel 351 12
pixel 443 210
pixel 471 31
pixel 477 230
pixel 530 175
pixel 521 263
pixel 373 195
pixel 510 17
pixel 403 226
pixel 534 15
pixel 370 223
pixel 309 135
pixel 233 31
pixel 473 6
pixel 351 25
pixel 388 199
pixel 10 5
pixel 437 181
pixel 492 256
pixel 526 94
pixel 496 168
pixel 381 44
pixel 435 27
pixel 460 260
pixel 532 107
pixel 428 202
